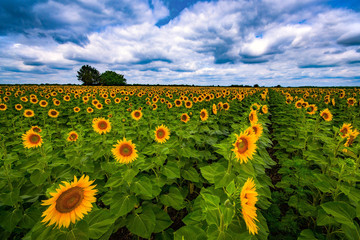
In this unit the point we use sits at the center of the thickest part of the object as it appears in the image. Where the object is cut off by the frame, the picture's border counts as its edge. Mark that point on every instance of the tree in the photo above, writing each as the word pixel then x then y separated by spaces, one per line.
pixel 110 78
pixel 88 75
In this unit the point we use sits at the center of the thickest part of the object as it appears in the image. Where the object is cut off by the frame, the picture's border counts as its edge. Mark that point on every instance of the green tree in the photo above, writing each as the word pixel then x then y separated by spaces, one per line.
pixel 110 78
pixel 88 75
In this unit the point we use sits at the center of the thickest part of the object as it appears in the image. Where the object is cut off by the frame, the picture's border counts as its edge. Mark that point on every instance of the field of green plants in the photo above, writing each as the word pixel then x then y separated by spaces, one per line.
pixel 81 162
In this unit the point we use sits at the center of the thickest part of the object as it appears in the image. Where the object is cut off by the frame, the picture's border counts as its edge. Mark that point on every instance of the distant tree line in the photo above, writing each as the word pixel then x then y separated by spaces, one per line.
pixel 91 76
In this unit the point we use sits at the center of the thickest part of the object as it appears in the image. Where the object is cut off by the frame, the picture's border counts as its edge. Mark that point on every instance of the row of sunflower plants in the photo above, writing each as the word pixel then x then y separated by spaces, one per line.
pixel 318 196
pixel 169 163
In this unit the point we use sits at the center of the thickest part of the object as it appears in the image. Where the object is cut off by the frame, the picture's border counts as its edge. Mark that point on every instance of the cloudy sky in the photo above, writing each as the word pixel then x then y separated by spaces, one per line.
pixel 268 42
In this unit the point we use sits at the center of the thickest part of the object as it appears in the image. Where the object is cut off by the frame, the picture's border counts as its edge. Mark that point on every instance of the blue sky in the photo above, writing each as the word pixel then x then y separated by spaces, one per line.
pixel 268 42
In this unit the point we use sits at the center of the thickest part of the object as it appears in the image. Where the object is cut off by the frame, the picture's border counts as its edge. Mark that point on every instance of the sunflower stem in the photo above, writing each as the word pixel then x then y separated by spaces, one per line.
pixel 230 163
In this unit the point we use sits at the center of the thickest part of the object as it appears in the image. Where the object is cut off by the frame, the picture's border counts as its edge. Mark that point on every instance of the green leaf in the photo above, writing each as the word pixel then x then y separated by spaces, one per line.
pixel 306 234
pixel 352 233
pixel 171 170
pixel 193 217
pixel 223 179
pixel 230 188
pixel 212 201
pixel 142 224
pixel 190 233
pixel 163 220
pixel 38 177
pixel 115 180
pixel 173 199
pixel 122 204
pixel 142 187
pixel 343 212
pixel 10 219
pixel 80 232
pixel 208 172
pixel 213 233
pixel 99 222
pixel 191 174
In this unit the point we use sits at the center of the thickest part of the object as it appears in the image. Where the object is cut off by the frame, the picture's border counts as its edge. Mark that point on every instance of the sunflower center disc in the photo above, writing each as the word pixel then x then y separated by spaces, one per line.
pixel 160 133
pixel 202 115
pixel 242 145
pixel 102 125
pixel 34 138
pixel 28 113
pixel 125 150
pixel 69 200
pixel 137 114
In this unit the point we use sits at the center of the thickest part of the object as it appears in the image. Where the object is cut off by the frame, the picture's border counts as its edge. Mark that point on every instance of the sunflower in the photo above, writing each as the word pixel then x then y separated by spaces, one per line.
pixel 76 109
pixel 36 129
pixel 351 101
pixel 136 115
pixel 226 106
pixel 72 136
pixel 154 106
pixel 29 113
pixel 185 117
pixel 124 151
pixel 57 102
pixel 351 137
pixel 265 109
pixel 3 107
pixel 70 202
pixel 53 113
pixel 178 103
pixel 204 115
pixel 311 109
pixel 255 107
pixel 299 103
pixel 248 199
pixel 89 110
pixel 162 134
pixel 326 115
pixel 214 109
pixel 101 125
pixel 18 106
pixel 345 129
pixel 31 139
pixel 245 147
pixel 43 103
pixel 188 104
pixel 253 117
pixel 257 129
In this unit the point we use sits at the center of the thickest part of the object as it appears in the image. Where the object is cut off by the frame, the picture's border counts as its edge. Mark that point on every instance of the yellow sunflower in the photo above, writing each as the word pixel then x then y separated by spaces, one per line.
pixel 299 103
pixel 36 129
pixel 204 115
pixel 351 101
pixel 245 147
pixel 253 117
pixel 101 125
pixel 226 106
pixel 257 129
pixel 326 115
pixel 29 113
pixel 214 109
pixel 345 129
pixel 18 107
pixel 3 107
pixel 43 103
pixel 248 199
pixel 70 202
pixel 89 110
pixel 351 137
pixel 32 139
pixel 188 104
pixel 311 109
pixel 76 109
pixel 185 117
pixel 124 151
pixel 162 134
pixel 53 113
pixel 136 115
pixel 265 109
pixel 72 136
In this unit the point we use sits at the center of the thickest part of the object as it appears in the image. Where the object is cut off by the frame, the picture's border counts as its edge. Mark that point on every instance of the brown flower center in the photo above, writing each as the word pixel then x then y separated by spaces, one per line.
pixel 325 116
pixel 126 150
pixel 34 138
pixel 53 113
pixel 160 133
pixel 28 113
pixel 242 145
pixel 36 129
pixel 102 125
pixel 73 136
pixel 202 115
pixel 69 200
pixel 2 106
pixel 251 117
pixel 183 117
pixel 137 114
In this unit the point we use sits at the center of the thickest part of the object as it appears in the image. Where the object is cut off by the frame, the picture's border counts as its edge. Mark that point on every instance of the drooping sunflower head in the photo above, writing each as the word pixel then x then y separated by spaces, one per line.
pixel 258 129
pixel 345 129
pixel 72 136
pixel 184 117
pixel 265 109
pixel 136 115
pixel 351 137
pixel 253 117
pixel 162 134
pixel 214 109
pixel 53 113
pixel 204 115
pixel 102 125
pixel 245 147
pixel 312 109
pixel 124 151
pixel 326 115
pixel 248 199
pixel 29 113
pixel 31 139
pixel 70 202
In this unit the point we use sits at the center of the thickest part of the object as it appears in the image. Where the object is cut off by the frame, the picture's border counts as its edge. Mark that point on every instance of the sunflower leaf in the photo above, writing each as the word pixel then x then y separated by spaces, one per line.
pixel 142 224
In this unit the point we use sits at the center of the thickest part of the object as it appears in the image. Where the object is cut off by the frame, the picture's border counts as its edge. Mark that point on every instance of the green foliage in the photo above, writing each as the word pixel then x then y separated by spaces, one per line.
pixel 110 78
pixel 88 75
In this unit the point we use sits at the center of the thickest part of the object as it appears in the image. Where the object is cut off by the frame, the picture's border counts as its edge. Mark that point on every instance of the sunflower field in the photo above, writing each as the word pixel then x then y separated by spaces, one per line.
pixel 136 162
